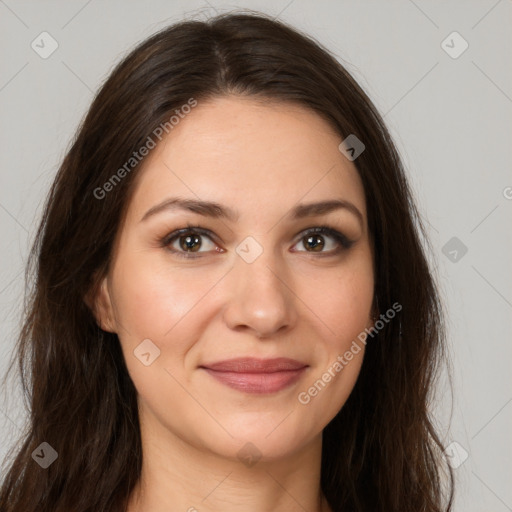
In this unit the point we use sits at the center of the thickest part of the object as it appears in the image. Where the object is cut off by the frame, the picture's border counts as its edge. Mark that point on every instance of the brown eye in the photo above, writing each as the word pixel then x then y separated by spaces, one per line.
pixel 189 241
pixel 315 240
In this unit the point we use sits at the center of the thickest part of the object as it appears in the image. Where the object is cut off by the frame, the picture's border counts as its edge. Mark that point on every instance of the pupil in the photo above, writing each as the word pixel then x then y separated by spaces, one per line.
pixel 316 246
pixel 190 241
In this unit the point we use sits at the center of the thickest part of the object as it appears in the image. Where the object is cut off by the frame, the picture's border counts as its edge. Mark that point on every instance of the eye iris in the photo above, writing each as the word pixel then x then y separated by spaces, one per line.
pixel 315 242
pixel 189 241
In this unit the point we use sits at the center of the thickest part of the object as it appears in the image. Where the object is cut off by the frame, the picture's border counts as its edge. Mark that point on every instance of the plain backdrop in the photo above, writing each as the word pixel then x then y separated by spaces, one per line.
pixel 448 106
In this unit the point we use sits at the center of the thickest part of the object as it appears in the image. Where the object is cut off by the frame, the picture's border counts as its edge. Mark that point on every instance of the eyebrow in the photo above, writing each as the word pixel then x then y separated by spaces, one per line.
pixel 216 210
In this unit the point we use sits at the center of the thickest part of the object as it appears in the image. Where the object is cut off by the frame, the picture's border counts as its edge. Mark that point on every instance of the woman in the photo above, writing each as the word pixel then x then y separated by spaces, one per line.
pixel 232 306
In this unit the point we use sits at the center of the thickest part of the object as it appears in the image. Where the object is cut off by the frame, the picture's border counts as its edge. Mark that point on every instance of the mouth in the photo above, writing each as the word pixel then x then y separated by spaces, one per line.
pixel 251 375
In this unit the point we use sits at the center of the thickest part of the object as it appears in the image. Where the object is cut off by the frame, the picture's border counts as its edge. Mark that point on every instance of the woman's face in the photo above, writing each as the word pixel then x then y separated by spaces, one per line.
pixel 256 284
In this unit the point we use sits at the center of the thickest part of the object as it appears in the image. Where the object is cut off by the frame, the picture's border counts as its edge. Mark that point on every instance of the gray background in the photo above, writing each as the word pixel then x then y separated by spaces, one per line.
pixel 451 118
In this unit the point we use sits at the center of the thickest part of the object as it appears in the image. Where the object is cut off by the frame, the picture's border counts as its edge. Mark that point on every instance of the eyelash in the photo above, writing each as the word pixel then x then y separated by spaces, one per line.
pixel 166 241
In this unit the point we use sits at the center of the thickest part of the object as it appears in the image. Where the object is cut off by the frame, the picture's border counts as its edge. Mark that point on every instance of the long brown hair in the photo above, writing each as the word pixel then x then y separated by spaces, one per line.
pixel 381 452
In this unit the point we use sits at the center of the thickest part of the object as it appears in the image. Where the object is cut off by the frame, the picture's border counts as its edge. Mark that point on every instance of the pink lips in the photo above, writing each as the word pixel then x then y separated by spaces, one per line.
pixel 257 375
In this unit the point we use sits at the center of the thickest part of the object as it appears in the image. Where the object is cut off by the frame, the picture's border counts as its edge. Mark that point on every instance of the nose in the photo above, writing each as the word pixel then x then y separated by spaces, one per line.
pixel 261 298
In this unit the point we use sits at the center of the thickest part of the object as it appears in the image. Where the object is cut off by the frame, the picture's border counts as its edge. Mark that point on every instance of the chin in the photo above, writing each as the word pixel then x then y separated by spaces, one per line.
pixel 261 441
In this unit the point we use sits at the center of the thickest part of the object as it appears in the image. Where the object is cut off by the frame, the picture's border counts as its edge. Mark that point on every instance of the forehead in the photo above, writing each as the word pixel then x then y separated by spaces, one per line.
pixel 246 153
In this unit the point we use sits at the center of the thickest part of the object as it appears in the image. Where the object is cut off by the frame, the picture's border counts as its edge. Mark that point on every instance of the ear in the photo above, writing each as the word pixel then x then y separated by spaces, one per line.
pixel 99 302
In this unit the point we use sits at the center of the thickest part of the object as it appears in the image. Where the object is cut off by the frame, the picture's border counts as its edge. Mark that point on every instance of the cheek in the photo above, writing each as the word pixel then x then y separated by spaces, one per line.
pixel 341 301
pixel 343 305
pixel 159 301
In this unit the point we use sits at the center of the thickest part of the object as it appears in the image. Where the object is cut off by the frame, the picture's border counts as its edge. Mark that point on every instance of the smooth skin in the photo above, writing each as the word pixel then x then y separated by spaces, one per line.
pixel 299 298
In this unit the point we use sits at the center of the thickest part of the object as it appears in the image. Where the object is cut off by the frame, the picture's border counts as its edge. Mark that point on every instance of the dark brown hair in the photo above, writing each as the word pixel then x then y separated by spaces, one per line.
pixel 381 453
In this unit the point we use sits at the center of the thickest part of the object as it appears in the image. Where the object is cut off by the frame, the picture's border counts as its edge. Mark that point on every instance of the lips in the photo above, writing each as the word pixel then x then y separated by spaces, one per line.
pixel 252 375
pixel 254 365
